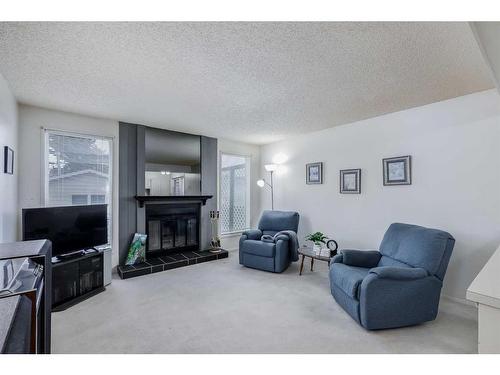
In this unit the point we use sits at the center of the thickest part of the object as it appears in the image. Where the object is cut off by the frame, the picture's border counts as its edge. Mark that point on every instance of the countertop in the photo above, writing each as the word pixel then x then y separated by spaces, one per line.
pixel 485 289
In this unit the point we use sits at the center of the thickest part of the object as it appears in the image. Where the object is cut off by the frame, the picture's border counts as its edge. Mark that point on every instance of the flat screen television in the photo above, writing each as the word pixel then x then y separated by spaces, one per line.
pixel 70 228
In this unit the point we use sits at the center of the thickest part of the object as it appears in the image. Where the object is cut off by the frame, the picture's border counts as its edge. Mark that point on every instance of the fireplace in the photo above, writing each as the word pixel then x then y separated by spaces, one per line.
pixel 175 234
pixel 172 228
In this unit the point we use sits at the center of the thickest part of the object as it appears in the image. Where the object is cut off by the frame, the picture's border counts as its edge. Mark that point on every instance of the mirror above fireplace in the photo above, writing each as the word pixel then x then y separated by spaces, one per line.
pixel 172 163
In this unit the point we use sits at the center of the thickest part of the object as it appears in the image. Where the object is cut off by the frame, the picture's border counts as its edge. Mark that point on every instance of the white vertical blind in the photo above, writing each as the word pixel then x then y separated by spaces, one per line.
pixel 78 170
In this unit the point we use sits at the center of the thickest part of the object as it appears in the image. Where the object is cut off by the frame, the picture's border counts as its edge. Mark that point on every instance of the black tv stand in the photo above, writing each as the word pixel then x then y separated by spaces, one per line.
pixel 76 278
pixel 71 255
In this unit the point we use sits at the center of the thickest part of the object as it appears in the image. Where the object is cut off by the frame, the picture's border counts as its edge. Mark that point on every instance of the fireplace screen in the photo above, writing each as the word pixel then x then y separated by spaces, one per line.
pixel 172 228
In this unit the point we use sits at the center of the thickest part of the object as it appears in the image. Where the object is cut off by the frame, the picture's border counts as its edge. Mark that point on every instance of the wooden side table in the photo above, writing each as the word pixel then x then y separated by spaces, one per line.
pixel 308 252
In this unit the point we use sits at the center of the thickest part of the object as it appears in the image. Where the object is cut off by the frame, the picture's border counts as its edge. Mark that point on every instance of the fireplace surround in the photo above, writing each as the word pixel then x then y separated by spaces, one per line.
pixel 178 238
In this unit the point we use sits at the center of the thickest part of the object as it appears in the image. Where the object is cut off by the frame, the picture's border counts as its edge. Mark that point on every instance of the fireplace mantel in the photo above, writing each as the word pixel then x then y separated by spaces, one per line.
pixel 142 199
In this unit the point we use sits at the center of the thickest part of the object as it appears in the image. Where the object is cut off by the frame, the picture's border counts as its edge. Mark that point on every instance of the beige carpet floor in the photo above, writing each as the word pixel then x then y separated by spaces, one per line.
pixel 222 307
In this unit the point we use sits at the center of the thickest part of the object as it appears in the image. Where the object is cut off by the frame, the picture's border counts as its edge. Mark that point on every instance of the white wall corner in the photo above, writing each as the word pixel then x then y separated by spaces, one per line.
pixel 487 35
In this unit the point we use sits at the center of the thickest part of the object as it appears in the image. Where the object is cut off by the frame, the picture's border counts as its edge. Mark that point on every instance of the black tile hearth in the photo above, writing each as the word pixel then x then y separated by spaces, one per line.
pixel 135 272
pixel 154 262
pixel 142 265
pixel 169 262
pixel 167 259
pixel 127 268
pixel 155 269
pixel 156 265
pixel 175 264
pixel 208 258
pixel 179 256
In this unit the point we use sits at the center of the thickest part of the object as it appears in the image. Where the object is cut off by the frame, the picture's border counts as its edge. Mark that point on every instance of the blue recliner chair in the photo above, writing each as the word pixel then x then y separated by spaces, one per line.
pixel 399 285
pixel 273 255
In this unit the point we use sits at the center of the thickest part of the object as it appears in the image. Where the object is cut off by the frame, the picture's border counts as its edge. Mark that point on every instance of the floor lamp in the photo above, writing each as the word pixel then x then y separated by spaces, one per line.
pixel 270 168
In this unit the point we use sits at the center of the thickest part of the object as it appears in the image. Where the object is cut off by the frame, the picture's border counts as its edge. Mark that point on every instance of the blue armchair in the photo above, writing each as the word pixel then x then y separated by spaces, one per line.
pixel 273 255
pixel 399 285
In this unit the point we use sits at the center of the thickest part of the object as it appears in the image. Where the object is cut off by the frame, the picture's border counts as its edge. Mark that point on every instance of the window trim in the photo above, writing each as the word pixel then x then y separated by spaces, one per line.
pixel 248 158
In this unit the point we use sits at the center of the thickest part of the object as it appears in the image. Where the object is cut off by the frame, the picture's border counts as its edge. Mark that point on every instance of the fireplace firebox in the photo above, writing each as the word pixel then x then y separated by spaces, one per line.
pixel 172 228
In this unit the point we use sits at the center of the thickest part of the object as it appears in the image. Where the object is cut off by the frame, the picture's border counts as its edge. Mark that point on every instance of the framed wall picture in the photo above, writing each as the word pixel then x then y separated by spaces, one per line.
pixel 397 171
pixel 314 173
pixel 8 160
pixel 350 181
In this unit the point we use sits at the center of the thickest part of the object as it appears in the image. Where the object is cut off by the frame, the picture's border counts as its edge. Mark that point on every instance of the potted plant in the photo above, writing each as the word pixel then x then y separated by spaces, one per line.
pixel 318 239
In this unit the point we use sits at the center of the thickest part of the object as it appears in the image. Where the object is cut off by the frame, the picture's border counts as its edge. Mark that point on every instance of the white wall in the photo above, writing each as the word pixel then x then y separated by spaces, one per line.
pixel 8 183
pixel 230 242
pixel 455 146
pixel 31 121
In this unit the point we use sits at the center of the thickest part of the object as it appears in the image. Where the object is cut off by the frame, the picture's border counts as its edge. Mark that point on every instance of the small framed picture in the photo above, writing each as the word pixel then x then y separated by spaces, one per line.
pixel 350 181
pixel 8 163
pixel 397 171
pixel 314 173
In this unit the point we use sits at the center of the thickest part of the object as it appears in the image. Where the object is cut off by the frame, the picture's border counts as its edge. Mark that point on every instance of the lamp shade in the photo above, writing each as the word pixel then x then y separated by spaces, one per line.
pixel 261 183
pixel 271 167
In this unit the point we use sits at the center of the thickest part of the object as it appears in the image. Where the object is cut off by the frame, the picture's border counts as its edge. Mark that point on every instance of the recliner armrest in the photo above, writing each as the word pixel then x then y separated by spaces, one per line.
pixel 252 234
pixel 399 273
pixel 281 237
pixel 360 258
pixel 267 238
pixel 337 259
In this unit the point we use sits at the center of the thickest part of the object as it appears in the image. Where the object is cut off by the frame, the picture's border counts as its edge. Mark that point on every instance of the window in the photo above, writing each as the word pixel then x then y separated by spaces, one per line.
pixel 79 199
pixel 97 199
pixel 82 199
pixel 234 193
pixel 77 170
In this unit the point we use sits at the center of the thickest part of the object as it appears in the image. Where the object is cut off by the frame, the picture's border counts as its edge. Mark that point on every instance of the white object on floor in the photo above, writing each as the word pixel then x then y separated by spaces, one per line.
pixel 485 291
pixel 107 265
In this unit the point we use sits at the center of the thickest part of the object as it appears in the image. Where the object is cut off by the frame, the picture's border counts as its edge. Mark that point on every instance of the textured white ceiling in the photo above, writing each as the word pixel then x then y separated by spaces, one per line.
pixel 255 82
